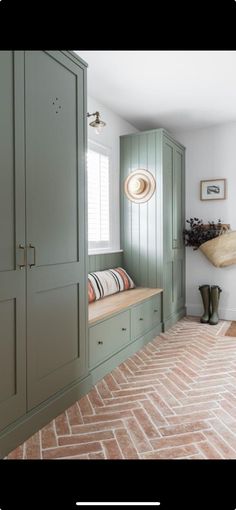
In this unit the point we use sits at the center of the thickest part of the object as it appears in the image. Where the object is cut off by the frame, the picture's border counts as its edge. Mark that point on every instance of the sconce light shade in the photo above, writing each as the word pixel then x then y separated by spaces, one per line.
pixel 139 186
pixel 98 124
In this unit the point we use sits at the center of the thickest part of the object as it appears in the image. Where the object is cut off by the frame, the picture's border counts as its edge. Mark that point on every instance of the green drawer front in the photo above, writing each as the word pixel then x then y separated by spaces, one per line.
pixel 140 319
pixel 108 337
pixel 145 316
pixel 156 309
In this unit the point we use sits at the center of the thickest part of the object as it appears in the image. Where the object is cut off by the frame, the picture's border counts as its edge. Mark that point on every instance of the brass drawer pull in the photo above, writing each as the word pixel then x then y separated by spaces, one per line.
pixel 124 329
pixel 33 248
pixel 141 318
pixel 21 247
pixel 100 342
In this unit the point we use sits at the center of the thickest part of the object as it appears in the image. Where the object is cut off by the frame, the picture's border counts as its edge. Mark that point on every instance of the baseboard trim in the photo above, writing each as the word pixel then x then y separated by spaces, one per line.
pixel 29 424
pixel 106 366
pixel 174 318
pixel 227 314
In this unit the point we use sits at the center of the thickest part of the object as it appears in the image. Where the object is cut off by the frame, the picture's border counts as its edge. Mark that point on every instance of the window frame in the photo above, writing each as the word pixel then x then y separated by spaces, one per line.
pixel 96 247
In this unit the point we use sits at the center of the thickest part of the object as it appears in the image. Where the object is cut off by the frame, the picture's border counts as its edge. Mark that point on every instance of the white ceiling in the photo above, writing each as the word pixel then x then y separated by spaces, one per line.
pixel 170 89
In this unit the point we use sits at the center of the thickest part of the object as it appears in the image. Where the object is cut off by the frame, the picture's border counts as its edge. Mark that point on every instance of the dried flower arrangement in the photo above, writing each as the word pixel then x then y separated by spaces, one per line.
pixel 199 233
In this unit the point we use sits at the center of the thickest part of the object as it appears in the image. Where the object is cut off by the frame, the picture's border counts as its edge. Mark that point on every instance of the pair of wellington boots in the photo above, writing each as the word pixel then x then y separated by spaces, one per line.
pixel 210 298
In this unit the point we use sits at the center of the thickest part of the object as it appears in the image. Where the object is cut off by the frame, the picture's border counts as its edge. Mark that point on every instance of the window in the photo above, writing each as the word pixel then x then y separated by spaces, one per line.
pixel 99 205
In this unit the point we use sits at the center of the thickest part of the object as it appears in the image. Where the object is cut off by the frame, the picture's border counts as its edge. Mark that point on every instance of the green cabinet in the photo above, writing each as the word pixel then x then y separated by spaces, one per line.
pixel 174 218
pixel 55 204
pixel 12 235
pixel 151 232
pixel 140 319
pixel 43 273
pixel 155 310
pixel 108 337
pixel 145 316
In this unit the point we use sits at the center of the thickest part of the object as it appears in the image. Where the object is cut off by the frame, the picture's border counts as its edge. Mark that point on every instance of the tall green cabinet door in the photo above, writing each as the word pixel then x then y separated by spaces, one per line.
pixel 178 226
pixel 56 229
pixel 178 198
pixel 168 227
pixel 173 218
pixel 12 239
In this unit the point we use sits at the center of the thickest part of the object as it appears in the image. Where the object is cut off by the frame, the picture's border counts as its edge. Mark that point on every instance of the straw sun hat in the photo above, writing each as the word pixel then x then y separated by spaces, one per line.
pixel 139 186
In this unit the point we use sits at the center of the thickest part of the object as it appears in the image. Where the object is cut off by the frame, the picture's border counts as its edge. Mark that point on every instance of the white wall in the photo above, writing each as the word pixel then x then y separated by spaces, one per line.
pixel 109 137
pixel 210 153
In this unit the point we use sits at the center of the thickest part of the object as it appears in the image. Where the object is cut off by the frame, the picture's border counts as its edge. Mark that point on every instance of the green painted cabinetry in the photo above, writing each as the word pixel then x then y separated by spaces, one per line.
pixel 114 339
pixel 12 236
pixel 43 251
pixel 108 337
pixel 145 316
pixel 55 203
pixel 151 233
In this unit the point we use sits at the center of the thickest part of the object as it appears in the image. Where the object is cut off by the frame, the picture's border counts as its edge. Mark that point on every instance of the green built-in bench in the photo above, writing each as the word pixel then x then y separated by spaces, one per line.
pixel 121 324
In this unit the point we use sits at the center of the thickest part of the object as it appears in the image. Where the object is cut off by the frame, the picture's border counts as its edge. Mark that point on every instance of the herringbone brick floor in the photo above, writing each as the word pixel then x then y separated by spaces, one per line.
pixel 174 399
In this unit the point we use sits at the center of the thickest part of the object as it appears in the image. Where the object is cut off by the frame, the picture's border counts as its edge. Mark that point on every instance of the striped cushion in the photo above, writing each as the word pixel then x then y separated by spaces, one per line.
pixel 105 283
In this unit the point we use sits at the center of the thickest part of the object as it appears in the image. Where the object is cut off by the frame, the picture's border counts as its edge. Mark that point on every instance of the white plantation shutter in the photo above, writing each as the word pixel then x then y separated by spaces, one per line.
pixel 98 199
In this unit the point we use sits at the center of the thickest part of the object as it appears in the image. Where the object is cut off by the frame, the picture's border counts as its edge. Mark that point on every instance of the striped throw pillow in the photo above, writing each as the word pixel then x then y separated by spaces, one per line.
pixel 105 283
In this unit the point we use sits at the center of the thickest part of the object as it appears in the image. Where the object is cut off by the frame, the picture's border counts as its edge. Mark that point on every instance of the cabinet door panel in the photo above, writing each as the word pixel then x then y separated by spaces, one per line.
pixel 178 198
pixel 141 319
pixel 155 310
pixel 168 177
pixel 51 159
pixel 12 233
pixel 168 171
pixel 108 337
pixel 179 279
pixel 178 226
pixel 174 251
pixel 55 184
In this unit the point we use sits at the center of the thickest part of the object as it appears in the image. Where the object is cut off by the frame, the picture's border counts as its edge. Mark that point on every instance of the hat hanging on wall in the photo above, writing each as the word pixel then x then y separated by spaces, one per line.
pixel 139 186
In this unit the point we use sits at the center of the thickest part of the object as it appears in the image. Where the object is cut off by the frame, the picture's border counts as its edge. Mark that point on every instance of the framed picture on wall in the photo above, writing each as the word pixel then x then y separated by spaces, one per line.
pixel 214 189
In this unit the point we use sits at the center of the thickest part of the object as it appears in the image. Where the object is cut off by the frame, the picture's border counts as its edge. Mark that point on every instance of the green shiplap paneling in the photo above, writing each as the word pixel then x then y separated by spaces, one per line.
pixel 104 261
pixel 135 208
pixel 126 205
pixel 139 233
pixel 151 233
pixel 143 216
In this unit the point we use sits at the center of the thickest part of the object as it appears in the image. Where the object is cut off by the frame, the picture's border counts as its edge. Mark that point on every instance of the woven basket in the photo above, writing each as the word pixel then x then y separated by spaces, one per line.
pixel 221 251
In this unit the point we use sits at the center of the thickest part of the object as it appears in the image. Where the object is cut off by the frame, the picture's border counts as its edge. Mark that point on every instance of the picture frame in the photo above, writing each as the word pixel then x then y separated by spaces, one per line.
pixel 213 189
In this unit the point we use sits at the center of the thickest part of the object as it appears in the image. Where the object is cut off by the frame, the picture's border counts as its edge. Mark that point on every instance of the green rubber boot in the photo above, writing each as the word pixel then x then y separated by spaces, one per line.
pixel 215 297
pixel 205 293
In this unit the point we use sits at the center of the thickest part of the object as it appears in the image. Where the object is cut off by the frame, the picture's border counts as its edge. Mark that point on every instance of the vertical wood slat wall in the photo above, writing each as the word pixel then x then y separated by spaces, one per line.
pixel 141 224
pixel 104 261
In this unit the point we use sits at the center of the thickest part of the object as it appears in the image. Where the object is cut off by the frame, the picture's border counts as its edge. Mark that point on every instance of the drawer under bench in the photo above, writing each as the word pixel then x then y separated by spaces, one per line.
pixel 116 327
pixel 108 337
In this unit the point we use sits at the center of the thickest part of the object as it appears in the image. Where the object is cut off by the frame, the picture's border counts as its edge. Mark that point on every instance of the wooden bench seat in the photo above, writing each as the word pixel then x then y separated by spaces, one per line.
pixel 102 309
